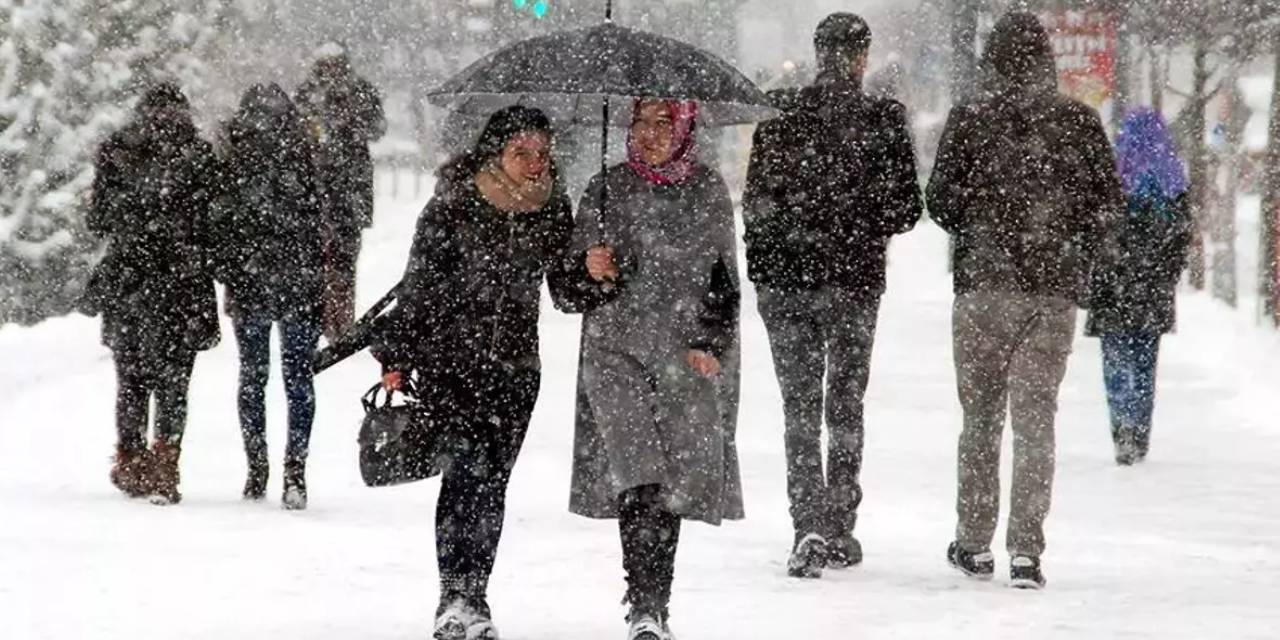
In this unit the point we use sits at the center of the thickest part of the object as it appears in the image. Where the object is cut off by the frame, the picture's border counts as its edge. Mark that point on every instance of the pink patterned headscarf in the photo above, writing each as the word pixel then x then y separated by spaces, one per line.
pixel 683 161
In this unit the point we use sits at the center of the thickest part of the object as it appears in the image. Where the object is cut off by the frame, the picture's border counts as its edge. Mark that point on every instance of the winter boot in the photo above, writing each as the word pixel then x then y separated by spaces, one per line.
pixel 1024 573
pixel 255 485
pixel 844 551
pixel 452 619
pixel 295 485
pixel 131 471
pixel 164 473
pixel 1126 448
pixel 808 557
pixel 480 626
pixel 975 565
pixel 1142 443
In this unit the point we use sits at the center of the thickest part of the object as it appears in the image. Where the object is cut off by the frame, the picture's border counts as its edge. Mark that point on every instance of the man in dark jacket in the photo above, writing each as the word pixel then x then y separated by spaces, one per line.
pixel 830 183
pixel 1026 185
pixel 344 114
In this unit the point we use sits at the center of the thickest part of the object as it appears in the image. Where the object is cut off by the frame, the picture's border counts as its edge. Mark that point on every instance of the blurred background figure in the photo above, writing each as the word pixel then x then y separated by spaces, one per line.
pixel 344 114
pixel 1140 280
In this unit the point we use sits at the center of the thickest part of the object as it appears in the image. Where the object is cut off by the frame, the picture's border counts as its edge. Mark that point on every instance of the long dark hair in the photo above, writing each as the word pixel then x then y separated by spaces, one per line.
pixel 498 131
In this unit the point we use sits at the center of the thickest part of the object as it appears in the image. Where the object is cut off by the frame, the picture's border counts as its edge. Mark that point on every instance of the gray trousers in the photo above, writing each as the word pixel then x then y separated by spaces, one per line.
pixel 818 335
pixel 1010 355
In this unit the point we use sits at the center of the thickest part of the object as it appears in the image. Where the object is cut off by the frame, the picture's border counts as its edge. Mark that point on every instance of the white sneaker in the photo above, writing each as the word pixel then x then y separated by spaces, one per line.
pixel 453 623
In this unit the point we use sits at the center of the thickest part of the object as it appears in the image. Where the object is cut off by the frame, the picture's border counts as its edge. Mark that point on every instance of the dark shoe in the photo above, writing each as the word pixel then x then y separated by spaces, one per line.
pixel 975 565
pixel 131 471
pixel 295 486
pixel 1126 449
pixel 1142 443
pixel 808 557
pixel 255 485
pixel 647 626
pixel 164 473
pixel 1024 573
pixel 451 620
pixel 843 552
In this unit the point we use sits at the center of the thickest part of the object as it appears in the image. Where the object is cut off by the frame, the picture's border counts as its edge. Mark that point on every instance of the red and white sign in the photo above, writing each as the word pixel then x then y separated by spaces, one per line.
pixel 1084 46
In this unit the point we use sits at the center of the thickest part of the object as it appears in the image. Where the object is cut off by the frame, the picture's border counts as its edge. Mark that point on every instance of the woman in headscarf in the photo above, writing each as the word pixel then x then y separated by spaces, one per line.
pixel 1140 280
pixel 272 261
pixel 154 184
pixel 466 334
pixel 656 275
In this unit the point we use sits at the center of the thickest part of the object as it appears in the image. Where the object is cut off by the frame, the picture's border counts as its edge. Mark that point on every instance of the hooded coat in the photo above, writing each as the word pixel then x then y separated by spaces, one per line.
pixel 154 184
pixel 1025 180
pixel 644 416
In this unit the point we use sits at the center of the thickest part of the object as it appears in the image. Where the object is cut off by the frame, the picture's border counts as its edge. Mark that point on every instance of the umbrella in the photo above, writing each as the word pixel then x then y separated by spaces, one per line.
pixel 582 75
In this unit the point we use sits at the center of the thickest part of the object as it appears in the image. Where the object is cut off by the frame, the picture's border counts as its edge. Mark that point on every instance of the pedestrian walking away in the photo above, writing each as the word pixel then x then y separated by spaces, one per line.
pixel 343 113
pixel 271 257
pixel 1141 278
pixel 829 183
pixel 153 187
pixel 658 370
pixel 466 333
pixel 1026 185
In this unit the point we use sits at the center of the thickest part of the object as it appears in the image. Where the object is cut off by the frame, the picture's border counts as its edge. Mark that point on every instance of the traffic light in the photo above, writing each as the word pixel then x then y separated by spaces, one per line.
pixel 538 8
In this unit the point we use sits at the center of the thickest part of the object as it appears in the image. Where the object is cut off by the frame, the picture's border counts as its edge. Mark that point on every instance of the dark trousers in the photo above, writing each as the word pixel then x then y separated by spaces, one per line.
pixel 1129 369
pixel 816 335
pixel 138 377
pixel 298 337
pixel 488 421
pixel 650 535
pixel 340 283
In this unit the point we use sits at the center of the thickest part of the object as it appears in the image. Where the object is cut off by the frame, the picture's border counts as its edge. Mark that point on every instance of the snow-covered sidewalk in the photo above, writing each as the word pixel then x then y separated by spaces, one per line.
pixel 1185 546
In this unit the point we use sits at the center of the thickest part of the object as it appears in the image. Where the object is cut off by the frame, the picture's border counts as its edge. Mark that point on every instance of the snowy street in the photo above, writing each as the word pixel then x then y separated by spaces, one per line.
pixel 1185 546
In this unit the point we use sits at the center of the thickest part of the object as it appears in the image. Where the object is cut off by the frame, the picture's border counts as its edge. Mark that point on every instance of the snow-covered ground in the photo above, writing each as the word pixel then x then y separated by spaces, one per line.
pixel 1185 546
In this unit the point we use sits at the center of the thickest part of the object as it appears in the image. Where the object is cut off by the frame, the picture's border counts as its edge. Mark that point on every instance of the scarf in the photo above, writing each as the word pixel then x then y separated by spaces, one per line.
pixel 509 195
pixel 683 161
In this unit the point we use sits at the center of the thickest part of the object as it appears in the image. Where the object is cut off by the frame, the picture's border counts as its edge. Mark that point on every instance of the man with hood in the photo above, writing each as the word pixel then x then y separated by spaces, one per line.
pixel 830 182
pixel 344 114
pixel 1026 186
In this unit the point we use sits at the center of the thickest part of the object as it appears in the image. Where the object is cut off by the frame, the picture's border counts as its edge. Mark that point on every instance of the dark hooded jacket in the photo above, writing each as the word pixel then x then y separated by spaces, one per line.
pixel 155 181
pixel 344 114
pixel 829 183
pixel 270 224
pixel 1025 180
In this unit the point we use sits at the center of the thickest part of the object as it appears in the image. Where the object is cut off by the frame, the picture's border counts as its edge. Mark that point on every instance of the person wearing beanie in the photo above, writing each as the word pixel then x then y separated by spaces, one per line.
pixel 829 183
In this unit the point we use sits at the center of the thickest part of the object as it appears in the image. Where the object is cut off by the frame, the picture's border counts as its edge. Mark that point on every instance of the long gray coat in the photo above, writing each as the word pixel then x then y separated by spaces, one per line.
pixel 644 417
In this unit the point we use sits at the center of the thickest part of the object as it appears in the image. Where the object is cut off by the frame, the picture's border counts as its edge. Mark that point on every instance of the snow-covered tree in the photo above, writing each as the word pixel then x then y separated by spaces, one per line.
pixel 69 71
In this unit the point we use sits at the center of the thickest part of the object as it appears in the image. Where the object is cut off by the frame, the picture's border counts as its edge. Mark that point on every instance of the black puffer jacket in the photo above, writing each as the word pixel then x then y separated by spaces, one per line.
pixel 1141 279
pixel 151 196
pixel 471 293
pixel 829 183
pixel 270 226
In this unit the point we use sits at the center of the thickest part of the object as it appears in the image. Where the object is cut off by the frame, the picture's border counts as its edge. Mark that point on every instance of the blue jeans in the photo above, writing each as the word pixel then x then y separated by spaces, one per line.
pixel 298 337
pixel 1129 369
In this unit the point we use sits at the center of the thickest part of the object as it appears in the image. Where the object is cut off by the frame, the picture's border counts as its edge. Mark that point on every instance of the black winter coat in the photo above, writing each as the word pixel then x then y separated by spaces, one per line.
pixel 1025 183
pixel 1140 281
pixel 829 183
pixel 270 225
pixel 151 198
pixel 343 116
pixel 470 297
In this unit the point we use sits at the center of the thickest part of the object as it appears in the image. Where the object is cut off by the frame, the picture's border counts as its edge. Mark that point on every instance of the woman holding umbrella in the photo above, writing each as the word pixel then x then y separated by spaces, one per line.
pixel 466 331
pixel 658 371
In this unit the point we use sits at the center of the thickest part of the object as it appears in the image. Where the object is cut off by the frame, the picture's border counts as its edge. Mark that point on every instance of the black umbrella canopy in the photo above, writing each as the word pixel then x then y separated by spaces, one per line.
pixel 569 74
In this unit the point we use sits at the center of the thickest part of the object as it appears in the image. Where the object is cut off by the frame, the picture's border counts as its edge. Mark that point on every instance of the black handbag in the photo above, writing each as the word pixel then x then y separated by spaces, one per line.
pixel 398 443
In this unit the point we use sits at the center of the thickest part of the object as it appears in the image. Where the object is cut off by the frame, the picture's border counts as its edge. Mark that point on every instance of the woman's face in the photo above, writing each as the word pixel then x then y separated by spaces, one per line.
pixel 527 157
pixel 654 132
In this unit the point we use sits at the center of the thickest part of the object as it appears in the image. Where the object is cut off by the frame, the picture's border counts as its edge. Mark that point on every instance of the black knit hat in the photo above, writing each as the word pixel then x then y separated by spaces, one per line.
pixel 840 38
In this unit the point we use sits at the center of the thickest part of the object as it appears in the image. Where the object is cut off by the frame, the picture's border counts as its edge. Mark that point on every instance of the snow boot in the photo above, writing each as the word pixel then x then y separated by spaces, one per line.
pixel 1024 573
pixel 255 485
pixel 295 486
pixel 164 473
pixel 844 551
pixel 1126 449
pixel 975 565
pixel 808 557
pixel 131 471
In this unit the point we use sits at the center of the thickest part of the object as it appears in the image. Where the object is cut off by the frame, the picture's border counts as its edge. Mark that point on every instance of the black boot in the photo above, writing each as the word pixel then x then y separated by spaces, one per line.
pixel 255 484
pixel 808 556
pixel 295 485
pixel 843 552
pixel 1024 573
